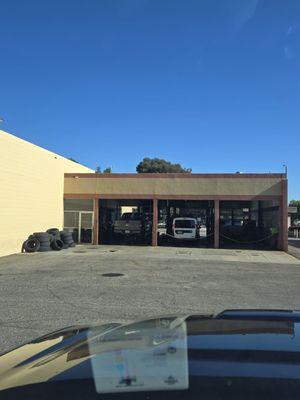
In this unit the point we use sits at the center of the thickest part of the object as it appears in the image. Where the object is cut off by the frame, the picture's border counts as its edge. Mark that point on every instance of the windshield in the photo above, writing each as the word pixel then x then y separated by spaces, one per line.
pixel 185 223
pixel 130 216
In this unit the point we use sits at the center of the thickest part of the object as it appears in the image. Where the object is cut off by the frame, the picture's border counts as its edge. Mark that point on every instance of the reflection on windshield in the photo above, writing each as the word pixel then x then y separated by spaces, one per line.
pixel 140 357
pixel 183 354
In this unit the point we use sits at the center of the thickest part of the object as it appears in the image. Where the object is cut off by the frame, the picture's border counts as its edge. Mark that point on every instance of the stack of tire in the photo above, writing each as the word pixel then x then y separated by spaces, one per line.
pixel 67 238
pixel 39 241
pixel 53 239
pixel 44 240
pixel 31 245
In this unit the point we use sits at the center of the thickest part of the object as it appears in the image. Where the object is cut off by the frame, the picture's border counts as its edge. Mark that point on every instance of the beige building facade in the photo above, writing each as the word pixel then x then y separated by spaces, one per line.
pixel 42 190
pixel 236 209
pixel 31 190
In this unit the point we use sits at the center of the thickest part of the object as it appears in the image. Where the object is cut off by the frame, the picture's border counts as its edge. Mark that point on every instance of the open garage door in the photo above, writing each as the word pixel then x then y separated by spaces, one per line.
pixel 188 223
pixel 249 224
pixel 127 222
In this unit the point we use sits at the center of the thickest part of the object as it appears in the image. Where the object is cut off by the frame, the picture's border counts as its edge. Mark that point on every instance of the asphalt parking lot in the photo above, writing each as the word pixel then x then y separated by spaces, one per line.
pixel 42 292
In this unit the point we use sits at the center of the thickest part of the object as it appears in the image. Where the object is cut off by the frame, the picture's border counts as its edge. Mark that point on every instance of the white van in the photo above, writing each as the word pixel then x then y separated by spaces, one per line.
pixel 185 228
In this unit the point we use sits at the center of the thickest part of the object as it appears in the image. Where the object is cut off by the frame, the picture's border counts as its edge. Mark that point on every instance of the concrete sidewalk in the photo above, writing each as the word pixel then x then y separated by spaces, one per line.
pixel 186 253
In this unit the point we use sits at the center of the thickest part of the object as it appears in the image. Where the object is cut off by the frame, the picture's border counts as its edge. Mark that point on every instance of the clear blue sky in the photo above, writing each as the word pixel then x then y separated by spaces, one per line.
pixel 214 85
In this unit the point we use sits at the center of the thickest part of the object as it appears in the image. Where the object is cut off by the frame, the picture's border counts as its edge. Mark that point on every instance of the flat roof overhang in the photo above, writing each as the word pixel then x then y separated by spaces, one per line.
pixel 175 186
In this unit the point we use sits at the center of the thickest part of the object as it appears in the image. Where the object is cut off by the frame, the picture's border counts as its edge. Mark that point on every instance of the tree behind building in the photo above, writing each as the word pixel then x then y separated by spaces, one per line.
pixel 157 165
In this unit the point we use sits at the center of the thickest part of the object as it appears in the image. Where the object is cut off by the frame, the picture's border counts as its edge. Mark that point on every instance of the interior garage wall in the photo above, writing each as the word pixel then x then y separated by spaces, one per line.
pixel 31 190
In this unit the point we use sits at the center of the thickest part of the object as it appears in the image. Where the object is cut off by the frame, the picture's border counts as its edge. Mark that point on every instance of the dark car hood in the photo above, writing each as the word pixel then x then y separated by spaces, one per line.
pixel 233 346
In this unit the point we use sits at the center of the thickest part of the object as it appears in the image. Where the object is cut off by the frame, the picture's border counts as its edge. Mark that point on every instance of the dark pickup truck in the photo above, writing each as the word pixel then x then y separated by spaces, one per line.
pixel 131 224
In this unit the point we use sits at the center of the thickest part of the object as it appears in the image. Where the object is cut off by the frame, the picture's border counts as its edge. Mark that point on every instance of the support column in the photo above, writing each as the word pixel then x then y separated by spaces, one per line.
pixel 217 224
pixel 96 222
pixel 154 222
pixel 283 226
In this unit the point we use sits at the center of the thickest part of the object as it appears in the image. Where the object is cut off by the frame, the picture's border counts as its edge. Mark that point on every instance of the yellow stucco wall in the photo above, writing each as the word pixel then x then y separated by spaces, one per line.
pixel 218 186
pixel 31 190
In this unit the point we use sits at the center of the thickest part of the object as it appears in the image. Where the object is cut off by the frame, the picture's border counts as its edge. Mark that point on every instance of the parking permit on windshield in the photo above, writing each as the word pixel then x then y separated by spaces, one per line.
pixel 154 359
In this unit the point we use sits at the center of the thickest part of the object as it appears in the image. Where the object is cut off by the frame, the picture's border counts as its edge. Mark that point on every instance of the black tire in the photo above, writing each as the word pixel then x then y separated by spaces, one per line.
pixel 68 240
pixel 53 231
pixel 42 237
pixel 45 245
pixel 72 244
pixel 44 249
pixel 31 245
pixel 66 234
pixel 55 237
pixel 57 244
pixel 66 246
pixel 42 241
pixel 45 234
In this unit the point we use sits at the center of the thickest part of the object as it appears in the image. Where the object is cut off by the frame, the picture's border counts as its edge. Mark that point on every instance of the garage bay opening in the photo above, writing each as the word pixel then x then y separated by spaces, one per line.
pixel 253 224
pixel 188 223
pixel 125 222
pixel 249 224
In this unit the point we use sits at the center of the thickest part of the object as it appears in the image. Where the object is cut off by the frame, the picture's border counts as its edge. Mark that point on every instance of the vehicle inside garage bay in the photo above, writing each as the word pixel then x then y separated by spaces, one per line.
pixel 126 221
pixel 190 210
pixel 185 223
pixel 249 224
pixel 131 222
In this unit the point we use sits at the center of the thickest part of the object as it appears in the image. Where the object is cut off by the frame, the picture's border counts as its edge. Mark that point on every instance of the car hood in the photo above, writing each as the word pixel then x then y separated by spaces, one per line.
pixel 109 358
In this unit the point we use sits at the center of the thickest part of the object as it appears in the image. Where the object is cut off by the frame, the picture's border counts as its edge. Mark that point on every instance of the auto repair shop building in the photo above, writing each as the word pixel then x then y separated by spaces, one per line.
pixel 42 190
pixel 232 210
